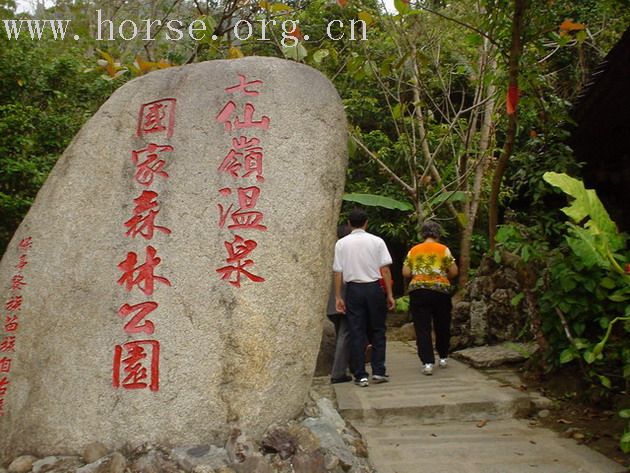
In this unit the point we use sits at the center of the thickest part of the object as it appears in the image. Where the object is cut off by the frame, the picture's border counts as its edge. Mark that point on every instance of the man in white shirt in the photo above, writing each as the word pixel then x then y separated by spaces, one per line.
pixel 361 259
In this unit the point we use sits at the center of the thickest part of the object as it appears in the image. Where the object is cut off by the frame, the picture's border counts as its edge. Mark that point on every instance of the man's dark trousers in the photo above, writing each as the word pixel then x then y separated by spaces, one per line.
pixel 366 305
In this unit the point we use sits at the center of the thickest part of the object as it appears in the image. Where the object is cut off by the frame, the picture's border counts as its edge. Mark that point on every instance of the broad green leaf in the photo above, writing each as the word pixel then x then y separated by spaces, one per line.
pixel 397 111
pixel 320 54
pixel 586 247
pixel 567 355
pixel 579 327
pixel 589 357
pixel 211 24
pixel 620 295
pixel 359 75
pixel 402 6
pixel 624 413
pixel 605 381
pixel 586 204
pixel 297 52
pixel 279 7
pixel 525 253
pixel 497 257
pixel 355 64
pixel 580 343
pixel 517 298
pixel 386 68
pixel 597 349
pixel 563 40
pixel 456 196
pixel 474 39
pixel 581 36
pixel 461 69
pixel 372 200
pixel 624 443
pixel 352 148
pixel 368 68
pixel 402 304
pixel 366 17
pixel 607 282
pixel 106 56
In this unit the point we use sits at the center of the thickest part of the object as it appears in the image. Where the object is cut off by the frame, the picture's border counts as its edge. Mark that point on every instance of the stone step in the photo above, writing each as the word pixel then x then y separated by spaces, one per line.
pixel 454 393
pixel 504 446
pixel 417 423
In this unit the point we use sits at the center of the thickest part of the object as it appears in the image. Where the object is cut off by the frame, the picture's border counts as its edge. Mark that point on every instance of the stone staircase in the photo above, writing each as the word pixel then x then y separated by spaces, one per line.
pixel 459 420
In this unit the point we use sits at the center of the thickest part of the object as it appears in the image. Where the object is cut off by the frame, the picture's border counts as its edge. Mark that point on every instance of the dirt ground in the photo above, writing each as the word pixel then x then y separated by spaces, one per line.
pixel 576 414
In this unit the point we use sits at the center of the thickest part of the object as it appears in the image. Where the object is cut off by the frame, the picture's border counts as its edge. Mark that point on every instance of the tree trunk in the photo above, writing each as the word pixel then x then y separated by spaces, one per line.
pixel 422 133
pixel 490 65
pixel 516 50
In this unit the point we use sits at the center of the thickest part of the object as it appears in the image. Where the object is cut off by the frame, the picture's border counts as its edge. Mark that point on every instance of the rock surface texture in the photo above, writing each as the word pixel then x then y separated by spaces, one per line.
pixel 170 280
pixel 289 447
pixel 486 313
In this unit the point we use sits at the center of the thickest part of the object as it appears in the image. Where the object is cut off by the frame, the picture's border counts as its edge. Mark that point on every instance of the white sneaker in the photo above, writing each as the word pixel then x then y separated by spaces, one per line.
pixel 363 382
pixel 443 362
pixel 377 378
pixel 427 369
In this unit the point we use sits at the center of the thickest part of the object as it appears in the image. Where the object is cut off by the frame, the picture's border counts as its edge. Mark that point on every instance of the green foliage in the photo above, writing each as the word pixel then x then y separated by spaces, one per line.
pixel 624 443
pixel 582 290
pixel 402 305
pixel 372 200
pixel 45 97
pixel 597 240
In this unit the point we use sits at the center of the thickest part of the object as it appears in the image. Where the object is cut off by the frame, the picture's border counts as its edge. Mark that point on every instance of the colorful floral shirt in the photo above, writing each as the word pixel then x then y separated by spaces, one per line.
pixel 429 263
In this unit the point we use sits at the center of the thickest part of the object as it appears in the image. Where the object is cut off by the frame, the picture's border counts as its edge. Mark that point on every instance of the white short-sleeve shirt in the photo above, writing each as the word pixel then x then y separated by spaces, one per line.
pixel 360 257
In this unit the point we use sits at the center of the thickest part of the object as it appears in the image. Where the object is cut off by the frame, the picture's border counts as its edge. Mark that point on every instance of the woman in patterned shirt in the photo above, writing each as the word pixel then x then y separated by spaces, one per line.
pixel 430 266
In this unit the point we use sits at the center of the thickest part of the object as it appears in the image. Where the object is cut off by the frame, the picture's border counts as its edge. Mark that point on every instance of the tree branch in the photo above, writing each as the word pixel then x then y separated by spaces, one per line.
pixel 516 50
pixel 410 190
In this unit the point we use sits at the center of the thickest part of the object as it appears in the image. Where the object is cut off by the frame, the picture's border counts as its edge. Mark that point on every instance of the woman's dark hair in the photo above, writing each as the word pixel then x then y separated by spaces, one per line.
pixel 431 229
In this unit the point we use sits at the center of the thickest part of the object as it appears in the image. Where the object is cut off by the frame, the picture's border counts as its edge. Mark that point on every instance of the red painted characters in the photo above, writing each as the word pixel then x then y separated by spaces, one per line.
pixel 243 161
pixel 157 117
pixel 13 305
pixel 136 363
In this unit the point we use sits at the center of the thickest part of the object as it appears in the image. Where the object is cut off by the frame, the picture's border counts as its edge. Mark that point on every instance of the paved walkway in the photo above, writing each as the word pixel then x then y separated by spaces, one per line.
pixel 458 420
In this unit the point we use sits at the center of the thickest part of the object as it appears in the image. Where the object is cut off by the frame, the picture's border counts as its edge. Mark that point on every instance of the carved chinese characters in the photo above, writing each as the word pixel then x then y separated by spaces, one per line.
pixel 11 321
pixel 244 159
pixel 179 263
pixel 136 363
pixel 157 117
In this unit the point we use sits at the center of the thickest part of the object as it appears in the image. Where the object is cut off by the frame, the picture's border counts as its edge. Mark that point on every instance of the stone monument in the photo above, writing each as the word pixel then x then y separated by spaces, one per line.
pixel 170 280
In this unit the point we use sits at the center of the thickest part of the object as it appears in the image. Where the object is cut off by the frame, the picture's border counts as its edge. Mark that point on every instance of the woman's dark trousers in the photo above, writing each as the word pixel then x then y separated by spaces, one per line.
pixel 431 308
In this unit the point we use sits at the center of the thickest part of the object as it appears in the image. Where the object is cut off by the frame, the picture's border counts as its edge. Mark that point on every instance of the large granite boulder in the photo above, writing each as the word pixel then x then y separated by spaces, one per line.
pixel 326 356
pixel 170 280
